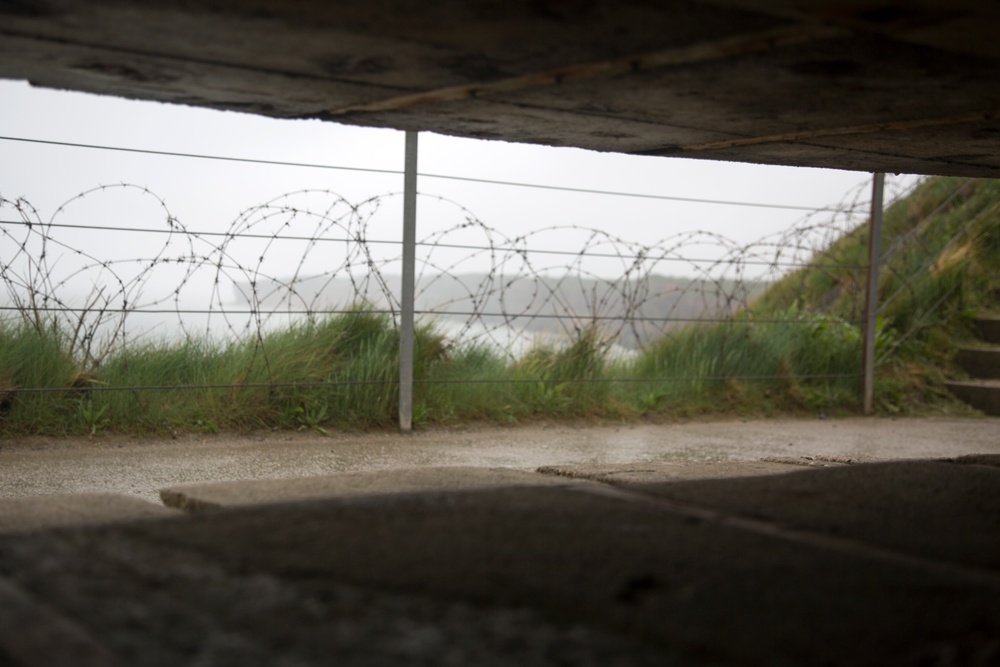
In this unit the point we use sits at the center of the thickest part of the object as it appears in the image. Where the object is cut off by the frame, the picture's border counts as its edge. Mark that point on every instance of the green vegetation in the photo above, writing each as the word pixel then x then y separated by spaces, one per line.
pixel 940 259
pixel 275 381
pixel 796 349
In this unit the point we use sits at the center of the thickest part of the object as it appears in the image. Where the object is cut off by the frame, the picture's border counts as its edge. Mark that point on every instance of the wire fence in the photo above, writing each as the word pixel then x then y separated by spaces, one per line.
pixel 111 281
pixel 309 254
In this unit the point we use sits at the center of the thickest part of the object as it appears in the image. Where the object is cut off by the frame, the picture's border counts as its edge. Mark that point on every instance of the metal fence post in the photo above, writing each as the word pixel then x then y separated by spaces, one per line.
pixel 406 326
pixel 871 294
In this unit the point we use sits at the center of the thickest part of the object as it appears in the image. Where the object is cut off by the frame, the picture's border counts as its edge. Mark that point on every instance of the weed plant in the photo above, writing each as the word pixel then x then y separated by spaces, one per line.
pixel 35 357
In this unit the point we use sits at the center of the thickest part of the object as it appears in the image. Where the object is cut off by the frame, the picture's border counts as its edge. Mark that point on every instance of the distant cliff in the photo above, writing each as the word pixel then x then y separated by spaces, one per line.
pixel 636 310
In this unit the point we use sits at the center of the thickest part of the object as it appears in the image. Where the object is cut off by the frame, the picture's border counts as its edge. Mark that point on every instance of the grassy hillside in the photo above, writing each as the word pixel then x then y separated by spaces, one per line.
pixel 940 266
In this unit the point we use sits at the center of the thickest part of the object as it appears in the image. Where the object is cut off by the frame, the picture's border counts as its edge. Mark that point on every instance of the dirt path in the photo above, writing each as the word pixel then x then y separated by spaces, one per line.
pixel 140 467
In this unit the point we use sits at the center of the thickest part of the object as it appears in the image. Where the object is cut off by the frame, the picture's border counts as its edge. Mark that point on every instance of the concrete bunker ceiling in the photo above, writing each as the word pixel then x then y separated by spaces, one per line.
pixel 900 86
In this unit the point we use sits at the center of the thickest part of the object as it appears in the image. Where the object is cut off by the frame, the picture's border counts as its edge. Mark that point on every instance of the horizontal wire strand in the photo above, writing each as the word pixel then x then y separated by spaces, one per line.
pixel 394 172
pixel 449 246
pixel 335 383
pixel 508 317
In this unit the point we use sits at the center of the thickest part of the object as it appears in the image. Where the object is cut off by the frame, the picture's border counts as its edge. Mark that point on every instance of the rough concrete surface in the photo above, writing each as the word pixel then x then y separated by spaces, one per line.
pixel 142 467
pixel 202 497
pixel 589 561
pixel 32 513
pixel 867 85
pixel 941 509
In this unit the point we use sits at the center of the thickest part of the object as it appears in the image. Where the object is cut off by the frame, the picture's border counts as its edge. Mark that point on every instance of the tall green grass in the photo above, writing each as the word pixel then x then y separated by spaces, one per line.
pixel 797 361
pixel 36 358
pixel 797 348
pixel 939 269
pixel 335 371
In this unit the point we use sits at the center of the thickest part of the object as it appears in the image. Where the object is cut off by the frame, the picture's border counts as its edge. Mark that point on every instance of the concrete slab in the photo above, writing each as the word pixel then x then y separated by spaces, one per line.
pixel 138 466
pixel 936 509
pixel 652 472
pixel 983 395
pixel 32 513
pixel 202 497
pixel 33 635
pixel 539 574
pixel 989 329
pixel 866 85
pixel 978 459
pixel 980 362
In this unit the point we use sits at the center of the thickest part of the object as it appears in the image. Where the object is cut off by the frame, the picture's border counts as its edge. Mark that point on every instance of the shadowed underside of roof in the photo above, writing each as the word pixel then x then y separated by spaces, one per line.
pixel 900 86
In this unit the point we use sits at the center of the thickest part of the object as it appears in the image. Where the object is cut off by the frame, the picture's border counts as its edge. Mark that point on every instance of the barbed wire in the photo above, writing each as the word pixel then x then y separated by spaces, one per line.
pixel 309 253
pixel 453 246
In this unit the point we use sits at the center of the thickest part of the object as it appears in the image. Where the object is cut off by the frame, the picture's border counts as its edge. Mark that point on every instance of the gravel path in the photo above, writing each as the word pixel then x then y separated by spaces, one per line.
pixel 33 466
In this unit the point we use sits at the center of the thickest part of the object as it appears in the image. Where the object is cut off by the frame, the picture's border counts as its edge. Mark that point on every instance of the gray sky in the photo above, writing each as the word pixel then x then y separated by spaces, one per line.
pixel 207 195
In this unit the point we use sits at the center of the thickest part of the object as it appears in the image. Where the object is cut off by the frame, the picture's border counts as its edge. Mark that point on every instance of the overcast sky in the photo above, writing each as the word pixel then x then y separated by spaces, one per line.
pixel 206 193
pixel 209 195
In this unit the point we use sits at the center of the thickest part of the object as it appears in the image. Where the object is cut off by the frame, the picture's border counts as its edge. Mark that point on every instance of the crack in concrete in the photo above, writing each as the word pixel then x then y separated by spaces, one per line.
pixel 823 541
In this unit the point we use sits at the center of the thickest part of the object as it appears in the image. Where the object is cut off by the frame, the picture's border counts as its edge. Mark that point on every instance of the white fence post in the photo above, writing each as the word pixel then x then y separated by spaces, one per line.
pixel 406 326
pixel 871 295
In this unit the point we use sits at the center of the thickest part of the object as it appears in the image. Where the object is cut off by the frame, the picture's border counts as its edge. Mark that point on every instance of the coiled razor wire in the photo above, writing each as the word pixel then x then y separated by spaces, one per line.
pixel 314 253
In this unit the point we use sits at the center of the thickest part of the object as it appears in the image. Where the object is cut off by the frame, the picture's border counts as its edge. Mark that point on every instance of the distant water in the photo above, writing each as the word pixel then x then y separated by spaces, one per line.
pixel 508 340
pixel 166 325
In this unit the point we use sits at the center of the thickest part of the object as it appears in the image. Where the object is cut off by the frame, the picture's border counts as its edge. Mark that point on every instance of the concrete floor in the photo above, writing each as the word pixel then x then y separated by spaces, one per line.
pixel 857 542
pixel 141 467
